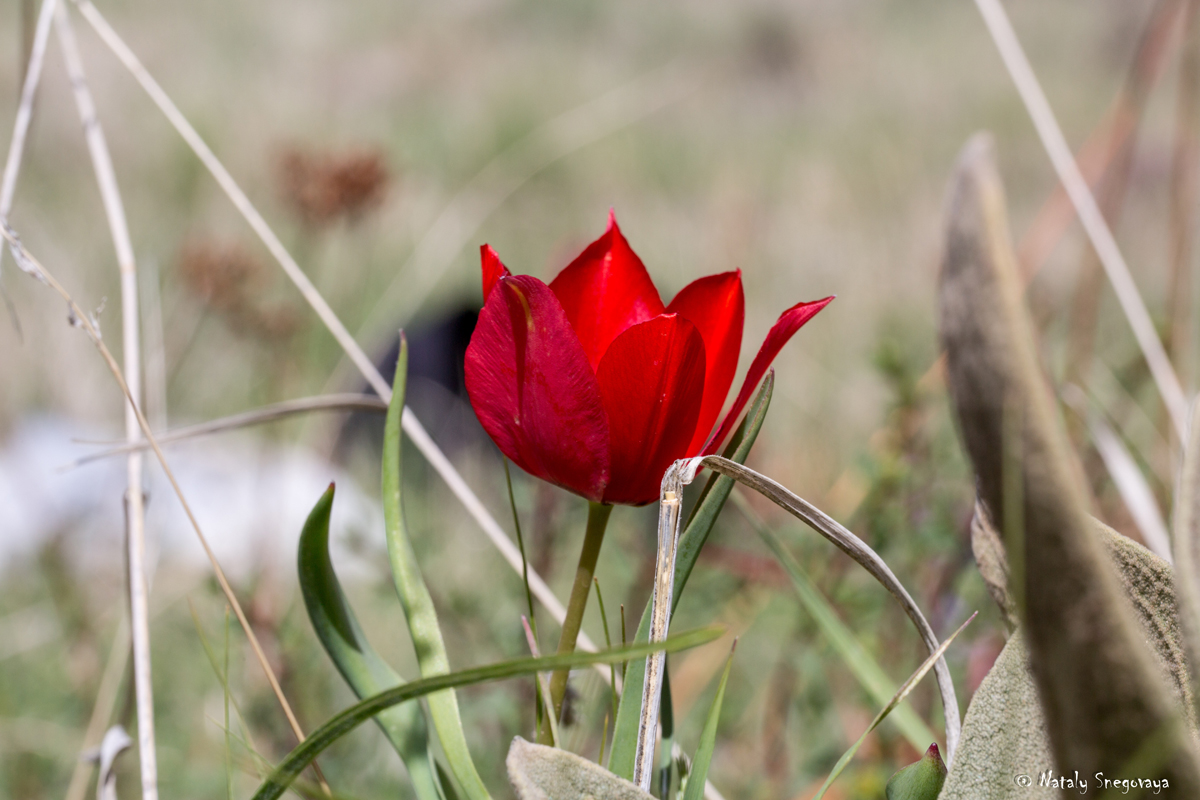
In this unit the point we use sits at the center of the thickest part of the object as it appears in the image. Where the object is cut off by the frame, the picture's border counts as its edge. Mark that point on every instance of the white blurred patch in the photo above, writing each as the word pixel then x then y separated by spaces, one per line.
pixel 251 497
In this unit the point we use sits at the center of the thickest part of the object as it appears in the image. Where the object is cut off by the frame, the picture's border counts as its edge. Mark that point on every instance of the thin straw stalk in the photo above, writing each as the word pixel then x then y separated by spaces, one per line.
pixel 1093 222
pixel 135 511
pixel 33 76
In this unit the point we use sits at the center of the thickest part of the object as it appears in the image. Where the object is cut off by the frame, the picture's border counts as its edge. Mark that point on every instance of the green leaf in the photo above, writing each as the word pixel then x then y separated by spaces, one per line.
pixel 921 780
pixel 708 739
pixel 856 658
pixel 1005 723
pixel 260 764
pixel 667 743
pixel 537 772
pixel 699 525
pixel 908 686
pixel 352 717
pixel 343 639
pixel 417 602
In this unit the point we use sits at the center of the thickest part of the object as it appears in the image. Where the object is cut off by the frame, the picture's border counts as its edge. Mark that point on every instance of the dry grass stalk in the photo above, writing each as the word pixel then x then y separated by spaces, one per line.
pixel 154 338
pixel 1185 176
pixel 669 513
pixel 1122 141
pixel 1089 213
pixel 81 319
pixel 1131 485
pixel 102 709
pixel 135 510
pixel 412 426
pixel 259 416
pixel 1107 140
pixel 1085 308
pixel 33 76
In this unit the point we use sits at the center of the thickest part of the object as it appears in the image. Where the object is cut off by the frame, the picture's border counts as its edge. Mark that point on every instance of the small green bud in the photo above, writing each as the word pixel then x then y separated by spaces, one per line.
pixel 919 781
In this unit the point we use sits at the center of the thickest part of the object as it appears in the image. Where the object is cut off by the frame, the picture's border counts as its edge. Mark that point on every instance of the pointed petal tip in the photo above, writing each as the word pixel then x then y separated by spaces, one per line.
pixel 824 301
pixel 781 332
pixel 492 268
pixel 612 220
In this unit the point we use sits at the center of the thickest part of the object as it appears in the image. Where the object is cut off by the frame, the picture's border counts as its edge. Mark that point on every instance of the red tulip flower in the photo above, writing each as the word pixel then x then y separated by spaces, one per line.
pixel 591 383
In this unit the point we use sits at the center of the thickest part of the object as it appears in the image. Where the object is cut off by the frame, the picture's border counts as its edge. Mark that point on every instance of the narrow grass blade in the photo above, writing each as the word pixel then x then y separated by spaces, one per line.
pixel 665 755
pixel 908 686
pixel 352 717
pixel 865 669
pixel 614 684
pixel 1126 476
pixel 512 501
pixel 343 639
pixel 867 558
pixel 695 533
pixel 1187 538
pixel 417 602
pixel 708 738
pixel 262 766
pixel 228 730
pixel 543 689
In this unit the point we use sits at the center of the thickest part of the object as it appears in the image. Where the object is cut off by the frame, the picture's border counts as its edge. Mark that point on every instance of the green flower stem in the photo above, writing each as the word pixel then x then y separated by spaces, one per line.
pixel 418 603
pixel 597 523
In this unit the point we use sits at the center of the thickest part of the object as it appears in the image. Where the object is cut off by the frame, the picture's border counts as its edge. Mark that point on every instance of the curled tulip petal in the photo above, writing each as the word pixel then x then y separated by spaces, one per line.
pixel 493 269
pixel 788 323
pixel 651 382
pixel 605 291
pixel 716 305
pixel 533 390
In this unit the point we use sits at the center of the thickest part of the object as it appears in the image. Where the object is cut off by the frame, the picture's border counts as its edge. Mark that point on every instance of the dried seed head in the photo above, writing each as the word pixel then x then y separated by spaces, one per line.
pixel 229 280
pixel 221 275
pixel 322 187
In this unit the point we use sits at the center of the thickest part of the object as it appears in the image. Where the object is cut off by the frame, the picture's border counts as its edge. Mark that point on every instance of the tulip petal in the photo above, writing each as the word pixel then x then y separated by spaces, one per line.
pixel 605 291
pixel 533 389
pixel 493 269
pixel 651 381
pixel 788 323
pixel 716 305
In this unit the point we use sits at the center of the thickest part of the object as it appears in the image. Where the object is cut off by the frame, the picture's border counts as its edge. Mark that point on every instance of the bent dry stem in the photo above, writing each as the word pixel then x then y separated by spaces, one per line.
pixel 597 523
pixel 669 509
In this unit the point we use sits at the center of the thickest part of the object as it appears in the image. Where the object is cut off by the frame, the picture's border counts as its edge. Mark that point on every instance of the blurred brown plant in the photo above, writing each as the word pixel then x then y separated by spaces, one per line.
pixel 229 280
pixel 323 186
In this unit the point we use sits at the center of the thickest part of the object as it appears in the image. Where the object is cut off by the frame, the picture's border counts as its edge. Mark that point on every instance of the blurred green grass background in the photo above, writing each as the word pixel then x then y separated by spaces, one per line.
pixel 806 143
